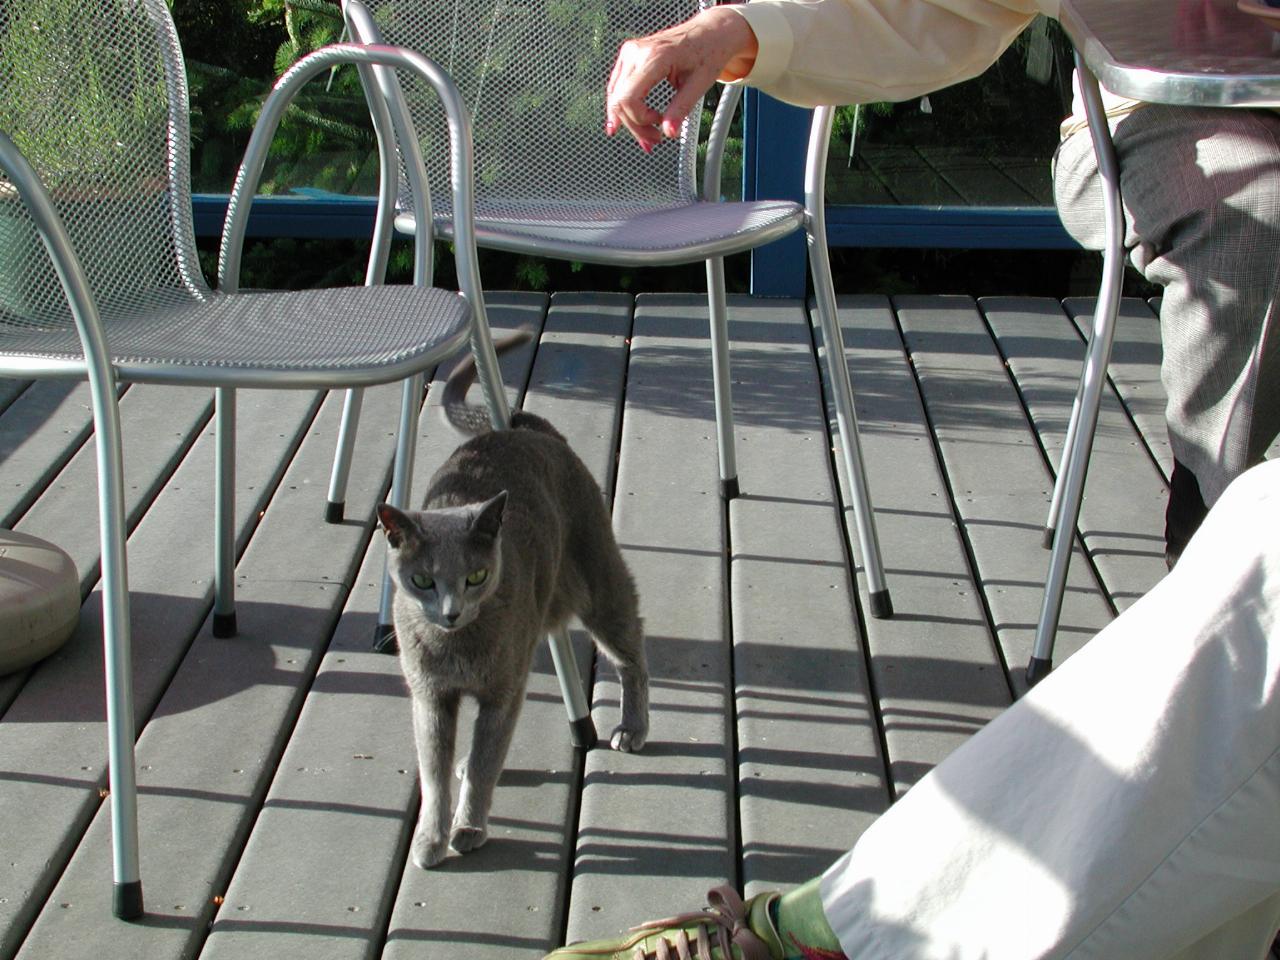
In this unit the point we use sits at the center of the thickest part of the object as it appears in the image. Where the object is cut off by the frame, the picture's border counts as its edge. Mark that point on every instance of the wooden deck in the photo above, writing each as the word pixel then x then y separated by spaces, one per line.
pixel 277 771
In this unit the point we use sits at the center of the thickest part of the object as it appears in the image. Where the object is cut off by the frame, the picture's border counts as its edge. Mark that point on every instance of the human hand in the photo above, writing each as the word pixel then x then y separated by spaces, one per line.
pixel 715 44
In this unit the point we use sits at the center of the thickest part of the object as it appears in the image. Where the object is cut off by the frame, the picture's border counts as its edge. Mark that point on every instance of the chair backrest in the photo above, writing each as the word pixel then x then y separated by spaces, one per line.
pixel 533 73
pixel 95 97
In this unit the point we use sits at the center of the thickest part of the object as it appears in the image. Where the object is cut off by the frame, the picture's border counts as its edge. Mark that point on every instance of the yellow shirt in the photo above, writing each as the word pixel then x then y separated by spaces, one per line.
pixel 860 51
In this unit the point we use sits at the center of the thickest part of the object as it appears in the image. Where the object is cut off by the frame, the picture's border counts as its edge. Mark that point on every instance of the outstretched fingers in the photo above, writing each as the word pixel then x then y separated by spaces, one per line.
pixel 636 72
pixel 690 57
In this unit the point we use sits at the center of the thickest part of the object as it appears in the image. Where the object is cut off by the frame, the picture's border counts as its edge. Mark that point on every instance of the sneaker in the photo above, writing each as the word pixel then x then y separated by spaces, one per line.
pixel 727 929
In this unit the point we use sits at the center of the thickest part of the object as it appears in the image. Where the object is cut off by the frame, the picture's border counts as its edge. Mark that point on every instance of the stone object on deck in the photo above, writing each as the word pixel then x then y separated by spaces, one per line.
pixel 39 599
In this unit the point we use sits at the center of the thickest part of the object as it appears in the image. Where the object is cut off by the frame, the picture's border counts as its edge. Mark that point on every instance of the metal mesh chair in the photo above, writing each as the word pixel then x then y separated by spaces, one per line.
pixel 99 279
pixel 550 183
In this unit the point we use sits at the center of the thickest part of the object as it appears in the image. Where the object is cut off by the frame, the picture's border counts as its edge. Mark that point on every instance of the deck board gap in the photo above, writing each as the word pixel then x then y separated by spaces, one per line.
pixel 848 535
pixel 966 542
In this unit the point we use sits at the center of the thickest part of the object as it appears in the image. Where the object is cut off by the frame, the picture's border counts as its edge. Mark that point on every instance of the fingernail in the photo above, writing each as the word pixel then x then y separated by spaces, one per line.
pixel 647 147
pixel 610 128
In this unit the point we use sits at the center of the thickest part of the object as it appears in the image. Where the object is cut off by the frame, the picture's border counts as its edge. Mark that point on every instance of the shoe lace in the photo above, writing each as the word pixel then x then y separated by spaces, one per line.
pixel 724 918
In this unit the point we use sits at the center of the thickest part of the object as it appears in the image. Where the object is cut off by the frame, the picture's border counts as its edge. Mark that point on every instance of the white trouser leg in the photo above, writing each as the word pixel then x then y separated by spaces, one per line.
pixel 1127 807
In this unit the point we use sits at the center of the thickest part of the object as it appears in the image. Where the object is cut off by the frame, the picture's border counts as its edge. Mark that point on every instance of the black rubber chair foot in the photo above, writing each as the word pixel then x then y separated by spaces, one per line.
pixel 126 900
pixel 1037 670
pixel 224 625
pixel 881 605
pixel 384 639
pixel 583 732
pixel 335 512
pixel 1046 540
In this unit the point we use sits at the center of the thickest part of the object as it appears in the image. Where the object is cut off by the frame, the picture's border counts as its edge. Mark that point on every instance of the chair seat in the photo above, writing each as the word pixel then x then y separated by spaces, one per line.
pixel 629 235
pixel 39 599
pixel 306 338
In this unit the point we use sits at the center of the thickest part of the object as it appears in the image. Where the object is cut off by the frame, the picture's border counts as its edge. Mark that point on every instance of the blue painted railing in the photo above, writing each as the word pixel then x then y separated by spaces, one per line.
pixel 774 140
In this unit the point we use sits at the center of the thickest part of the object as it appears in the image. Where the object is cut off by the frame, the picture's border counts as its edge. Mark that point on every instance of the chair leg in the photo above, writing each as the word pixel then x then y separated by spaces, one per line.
pixel 118 662
pixel 488 370
pixel 880 603
pixel 335 509
pixel 1075 456
pixel 719 312
pixel 224 510
pixel 384 637
pixel 1055 502
pixel 1075 465
pixel 581 726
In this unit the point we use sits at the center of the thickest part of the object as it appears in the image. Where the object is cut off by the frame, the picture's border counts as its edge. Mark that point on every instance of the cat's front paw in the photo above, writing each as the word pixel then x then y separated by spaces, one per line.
pixel 627 740
pixel 428 849
pixel 464 839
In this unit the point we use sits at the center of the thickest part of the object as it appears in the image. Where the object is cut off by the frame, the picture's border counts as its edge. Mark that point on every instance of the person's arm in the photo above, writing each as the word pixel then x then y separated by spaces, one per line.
pixel 811 52
pixel 815 52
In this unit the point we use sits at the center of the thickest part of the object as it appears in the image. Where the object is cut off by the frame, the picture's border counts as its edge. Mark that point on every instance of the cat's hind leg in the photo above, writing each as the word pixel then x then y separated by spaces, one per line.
pixel 490 739
pixel 615 625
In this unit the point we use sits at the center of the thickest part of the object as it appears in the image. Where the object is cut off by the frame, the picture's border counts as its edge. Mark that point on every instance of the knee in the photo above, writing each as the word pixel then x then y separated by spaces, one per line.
pixel 1221 183
pixel 1077 190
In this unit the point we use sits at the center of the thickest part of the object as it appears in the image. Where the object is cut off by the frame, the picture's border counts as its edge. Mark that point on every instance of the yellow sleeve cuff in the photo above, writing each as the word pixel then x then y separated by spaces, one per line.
pixel 773 34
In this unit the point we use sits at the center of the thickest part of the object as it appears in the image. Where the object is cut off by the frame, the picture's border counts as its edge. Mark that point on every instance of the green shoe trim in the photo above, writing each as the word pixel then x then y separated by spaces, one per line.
pixel 802 924
pixel 760 920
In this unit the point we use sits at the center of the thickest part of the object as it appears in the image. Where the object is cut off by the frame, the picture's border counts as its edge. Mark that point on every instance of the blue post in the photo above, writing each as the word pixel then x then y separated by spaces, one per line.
pixel 774 137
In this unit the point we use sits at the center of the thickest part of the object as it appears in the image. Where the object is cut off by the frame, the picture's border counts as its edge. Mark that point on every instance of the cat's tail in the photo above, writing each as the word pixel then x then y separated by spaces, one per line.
pixel 467 417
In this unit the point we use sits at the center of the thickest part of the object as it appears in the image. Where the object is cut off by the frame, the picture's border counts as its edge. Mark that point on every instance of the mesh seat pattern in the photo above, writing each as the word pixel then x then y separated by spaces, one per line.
pixel 109 137
pixel 533 75
pixel 333 331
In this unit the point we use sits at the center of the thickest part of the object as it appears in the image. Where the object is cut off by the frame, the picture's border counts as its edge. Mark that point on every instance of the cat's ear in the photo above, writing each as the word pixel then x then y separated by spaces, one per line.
pixel 395 522
pixel 488 518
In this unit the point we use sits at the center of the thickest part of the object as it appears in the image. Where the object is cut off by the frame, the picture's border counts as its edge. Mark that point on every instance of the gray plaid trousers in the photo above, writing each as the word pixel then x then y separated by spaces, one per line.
pixel 1201 193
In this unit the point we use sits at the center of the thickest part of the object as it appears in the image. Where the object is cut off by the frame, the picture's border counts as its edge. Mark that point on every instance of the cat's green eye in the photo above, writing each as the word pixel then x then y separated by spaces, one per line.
pixel 422 581
pixel 477 578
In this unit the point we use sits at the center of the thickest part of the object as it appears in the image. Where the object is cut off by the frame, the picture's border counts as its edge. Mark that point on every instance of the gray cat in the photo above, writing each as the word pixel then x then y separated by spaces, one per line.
pixel 514 539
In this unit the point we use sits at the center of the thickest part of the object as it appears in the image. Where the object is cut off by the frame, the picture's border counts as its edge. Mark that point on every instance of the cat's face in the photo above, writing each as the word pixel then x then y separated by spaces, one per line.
pixel 448 561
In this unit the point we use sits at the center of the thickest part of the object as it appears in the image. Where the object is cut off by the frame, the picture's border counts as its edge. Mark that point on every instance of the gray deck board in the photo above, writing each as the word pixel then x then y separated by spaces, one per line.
pixel 10 389
pixel 1122 513
pixel 157 424
pixel 198 794
pixel 42 428
pixel 277 768
pixel 664 812
pixel 1134 370
pixel 53 735
pixel 998 480
pixel 936 675
pixel 811 771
